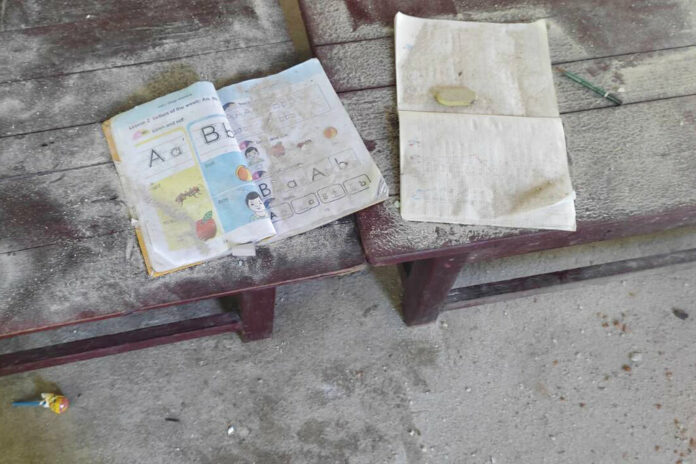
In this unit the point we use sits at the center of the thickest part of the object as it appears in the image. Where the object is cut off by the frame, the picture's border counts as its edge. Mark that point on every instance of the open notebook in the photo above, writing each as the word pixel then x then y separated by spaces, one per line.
pixel 499 160
pixel 205 171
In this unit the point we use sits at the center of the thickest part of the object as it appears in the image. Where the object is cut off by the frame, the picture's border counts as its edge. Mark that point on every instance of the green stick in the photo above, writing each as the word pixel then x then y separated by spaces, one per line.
pixel 598 90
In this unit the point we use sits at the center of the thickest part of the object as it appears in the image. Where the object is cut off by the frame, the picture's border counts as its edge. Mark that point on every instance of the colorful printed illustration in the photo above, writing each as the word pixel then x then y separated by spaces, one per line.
pixel 303 143
pixel 181 200
pixel 255 204
pixel 193 192
pixel 206 227
pixel 258 175
pixel 140 133
pixel 330 132
pixel 243 145
pixel 252 155
pixel 243 173
pixel 278 149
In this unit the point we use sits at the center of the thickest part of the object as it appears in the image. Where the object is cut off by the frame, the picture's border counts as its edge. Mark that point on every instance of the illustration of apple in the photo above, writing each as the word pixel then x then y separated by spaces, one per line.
pixel 278 149
pixel 206 228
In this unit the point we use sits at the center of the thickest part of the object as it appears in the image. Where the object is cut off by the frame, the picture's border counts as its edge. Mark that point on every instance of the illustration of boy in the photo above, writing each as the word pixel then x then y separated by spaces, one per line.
pixel 255 204
pixel 252 155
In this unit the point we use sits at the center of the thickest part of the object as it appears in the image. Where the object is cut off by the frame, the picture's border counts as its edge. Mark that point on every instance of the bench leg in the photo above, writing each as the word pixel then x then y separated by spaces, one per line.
pixel 426 285
pixel 256 312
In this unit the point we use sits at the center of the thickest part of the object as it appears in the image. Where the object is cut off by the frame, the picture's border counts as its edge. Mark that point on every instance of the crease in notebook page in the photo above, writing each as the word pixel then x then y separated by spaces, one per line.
pixel 481 141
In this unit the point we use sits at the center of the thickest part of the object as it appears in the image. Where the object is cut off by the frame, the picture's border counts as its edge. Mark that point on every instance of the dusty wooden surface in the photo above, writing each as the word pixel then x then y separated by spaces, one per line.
pixel 635 77
pixel 579 29
pixel 67 250
pixel 104 276
pixel 633 167
pixel 49 38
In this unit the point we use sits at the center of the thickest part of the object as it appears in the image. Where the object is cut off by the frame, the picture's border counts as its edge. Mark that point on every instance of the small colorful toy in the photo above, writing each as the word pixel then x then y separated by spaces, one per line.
pixel 56 403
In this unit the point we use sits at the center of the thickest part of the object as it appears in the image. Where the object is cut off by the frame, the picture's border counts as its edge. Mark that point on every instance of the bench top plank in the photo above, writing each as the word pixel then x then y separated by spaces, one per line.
pixel 67 249
pixel 53 150
pixel 632 167
pixel 89 97
pixel 578 29
pixel 25 15
pixel 104 276
pixel 123 36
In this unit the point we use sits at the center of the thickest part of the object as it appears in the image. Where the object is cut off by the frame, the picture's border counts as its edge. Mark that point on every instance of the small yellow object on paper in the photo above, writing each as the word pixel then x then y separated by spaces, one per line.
pixel 454 96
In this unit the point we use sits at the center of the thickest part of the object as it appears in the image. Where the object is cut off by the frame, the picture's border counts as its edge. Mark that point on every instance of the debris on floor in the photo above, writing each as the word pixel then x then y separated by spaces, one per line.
pixel 680 313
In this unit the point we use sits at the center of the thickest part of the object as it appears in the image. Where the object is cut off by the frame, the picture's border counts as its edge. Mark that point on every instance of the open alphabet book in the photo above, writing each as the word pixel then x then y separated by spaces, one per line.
pixel 481 141
pixel 205 172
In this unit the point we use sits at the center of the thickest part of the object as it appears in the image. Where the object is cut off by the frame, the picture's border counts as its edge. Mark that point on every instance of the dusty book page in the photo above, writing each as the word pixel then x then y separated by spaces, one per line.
pixel 303 151
pixel 185 179
pixel 496 158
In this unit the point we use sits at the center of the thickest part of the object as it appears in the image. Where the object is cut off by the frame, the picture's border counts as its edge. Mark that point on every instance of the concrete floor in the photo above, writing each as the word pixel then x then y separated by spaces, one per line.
pixel 598 374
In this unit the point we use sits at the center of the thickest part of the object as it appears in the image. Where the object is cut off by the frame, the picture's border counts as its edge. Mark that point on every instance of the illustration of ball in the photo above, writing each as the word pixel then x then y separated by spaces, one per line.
pixel 330 132
pixel 243 173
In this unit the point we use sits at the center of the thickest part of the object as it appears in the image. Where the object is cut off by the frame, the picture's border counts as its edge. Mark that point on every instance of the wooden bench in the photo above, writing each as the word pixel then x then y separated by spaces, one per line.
pixel 633 167
pixel 67 249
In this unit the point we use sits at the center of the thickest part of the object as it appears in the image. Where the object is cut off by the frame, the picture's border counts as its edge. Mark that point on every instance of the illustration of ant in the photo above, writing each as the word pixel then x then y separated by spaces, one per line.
pixel 193 192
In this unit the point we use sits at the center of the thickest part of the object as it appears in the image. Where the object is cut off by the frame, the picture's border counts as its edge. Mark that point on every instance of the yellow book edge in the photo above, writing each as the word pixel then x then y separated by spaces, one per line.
pixel 106 127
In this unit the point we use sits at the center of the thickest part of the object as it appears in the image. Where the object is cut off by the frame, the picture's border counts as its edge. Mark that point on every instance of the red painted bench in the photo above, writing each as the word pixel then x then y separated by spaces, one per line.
pixel 67 249
pixel 633 167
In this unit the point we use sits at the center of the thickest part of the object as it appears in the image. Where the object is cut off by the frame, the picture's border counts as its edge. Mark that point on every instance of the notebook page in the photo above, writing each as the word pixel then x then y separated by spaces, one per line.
pixel 500 160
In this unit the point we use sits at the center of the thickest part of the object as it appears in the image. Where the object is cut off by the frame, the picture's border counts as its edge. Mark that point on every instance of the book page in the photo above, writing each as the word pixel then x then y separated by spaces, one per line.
pixel 185 179
pixel 498 156
pixel 304 153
